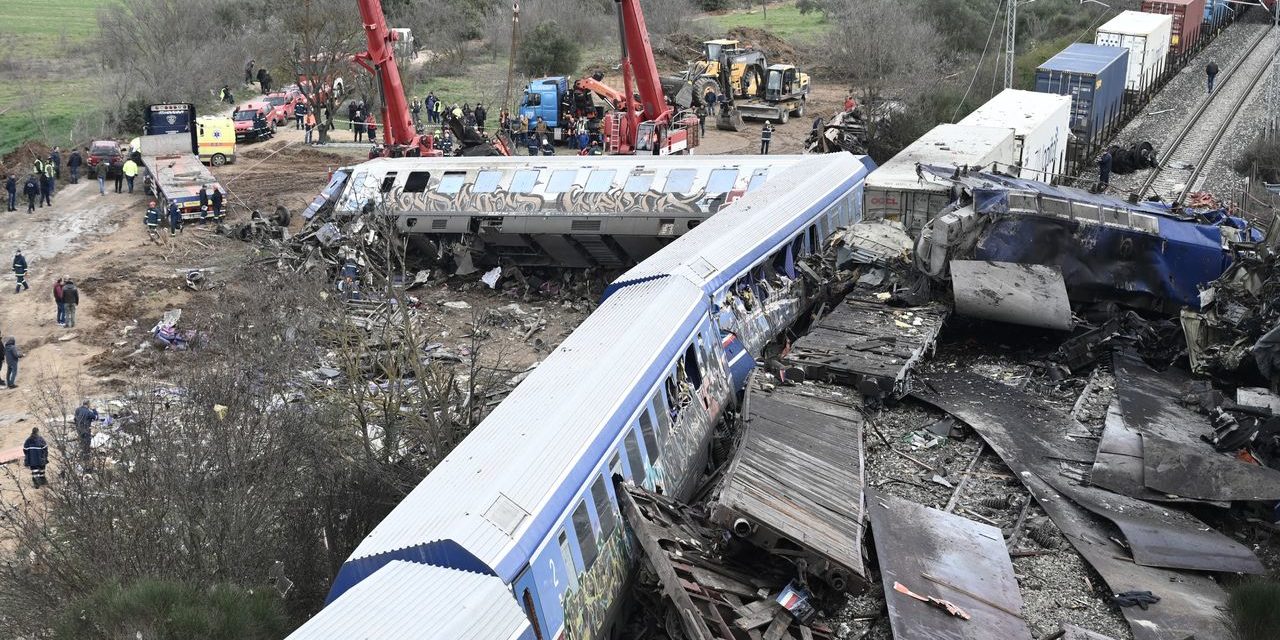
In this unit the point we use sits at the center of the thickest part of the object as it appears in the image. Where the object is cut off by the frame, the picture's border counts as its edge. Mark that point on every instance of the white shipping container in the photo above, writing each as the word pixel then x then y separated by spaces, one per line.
pixel 1041 123
pixel 894 192
pixel 1146 36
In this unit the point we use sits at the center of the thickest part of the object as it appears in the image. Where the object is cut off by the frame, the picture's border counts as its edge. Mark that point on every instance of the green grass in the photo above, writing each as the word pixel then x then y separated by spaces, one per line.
pixel 784 20
pixel 47 105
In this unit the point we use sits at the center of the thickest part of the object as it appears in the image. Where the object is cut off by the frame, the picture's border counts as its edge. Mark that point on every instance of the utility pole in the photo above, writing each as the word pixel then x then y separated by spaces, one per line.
pixel 511 60
pixel 1011 38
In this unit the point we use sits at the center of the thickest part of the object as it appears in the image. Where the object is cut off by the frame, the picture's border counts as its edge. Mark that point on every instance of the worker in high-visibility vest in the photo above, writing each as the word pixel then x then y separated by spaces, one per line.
pixel 130 172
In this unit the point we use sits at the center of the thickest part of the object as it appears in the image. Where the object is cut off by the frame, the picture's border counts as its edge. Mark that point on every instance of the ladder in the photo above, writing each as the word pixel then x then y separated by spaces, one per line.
pixel 615 132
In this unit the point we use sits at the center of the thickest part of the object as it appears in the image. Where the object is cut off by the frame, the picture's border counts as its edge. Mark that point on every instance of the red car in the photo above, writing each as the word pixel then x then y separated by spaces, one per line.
pixel 283 104
pixel 253 121
pixel 106 151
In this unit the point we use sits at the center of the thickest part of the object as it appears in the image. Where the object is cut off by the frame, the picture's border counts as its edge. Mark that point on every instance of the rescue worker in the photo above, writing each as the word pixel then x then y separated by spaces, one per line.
pixel 248 71
pixel 371 128
pixel 300 112
pixel 46 186
pixel 20 272
pixel 35 456
pixel 438 112
pixel 849 103
pixel 152 219
pixel 431 106
pixel 83 419
pixel 119 177
pixel 374 152
pixel 350 275
pixel 357 124
pixel 31 189
pixel 11 355
pixel 73 164
pixel 702 119
pixel 352 107
pixel 37 167
pixel 309 124
pixel 175 219
pixel 1104 170
pixel 595 149
pixel 766 136
pixel 60 303
pixel 55 158
pixel 204 202
pixel 481 115
pixel 130 171
pixel 11 188
pixel 1211 70
pixel 215 201
pixel 415 108
pixel 70 298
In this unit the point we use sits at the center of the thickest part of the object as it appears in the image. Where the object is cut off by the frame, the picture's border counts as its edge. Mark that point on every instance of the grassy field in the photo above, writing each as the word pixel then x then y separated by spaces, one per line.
pixel 783 20
pixel 44 103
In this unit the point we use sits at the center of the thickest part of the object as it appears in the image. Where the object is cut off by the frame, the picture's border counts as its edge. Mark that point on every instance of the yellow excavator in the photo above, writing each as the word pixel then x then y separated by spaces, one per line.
pixel 747 85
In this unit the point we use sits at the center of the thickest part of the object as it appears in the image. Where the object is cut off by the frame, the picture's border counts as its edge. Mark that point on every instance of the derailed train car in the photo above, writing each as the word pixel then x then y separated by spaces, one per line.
pixel 596 211
pixel 517 533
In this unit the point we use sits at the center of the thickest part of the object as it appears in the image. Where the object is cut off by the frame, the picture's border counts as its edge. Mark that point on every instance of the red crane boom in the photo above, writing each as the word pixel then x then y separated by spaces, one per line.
pixel 380 60
pixel 646 127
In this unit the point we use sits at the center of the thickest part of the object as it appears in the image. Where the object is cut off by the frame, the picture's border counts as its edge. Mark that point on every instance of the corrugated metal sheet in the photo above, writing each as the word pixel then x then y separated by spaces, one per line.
pixel 555 425
pixel 750 226
pixel 410 601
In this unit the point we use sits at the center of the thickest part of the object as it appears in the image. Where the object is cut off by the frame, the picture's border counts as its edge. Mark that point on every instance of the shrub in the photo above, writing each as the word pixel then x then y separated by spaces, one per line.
pixel 1253 610
pixel 1265 154
pixel 546 50
pixel 164 610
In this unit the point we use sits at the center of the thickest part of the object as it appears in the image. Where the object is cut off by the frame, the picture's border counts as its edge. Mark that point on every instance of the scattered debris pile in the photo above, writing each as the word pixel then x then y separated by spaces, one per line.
pixel 845 131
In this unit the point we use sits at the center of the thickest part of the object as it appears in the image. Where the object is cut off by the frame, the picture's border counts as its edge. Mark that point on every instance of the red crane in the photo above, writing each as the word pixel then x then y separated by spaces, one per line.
pixel 647 127
pixel 399 136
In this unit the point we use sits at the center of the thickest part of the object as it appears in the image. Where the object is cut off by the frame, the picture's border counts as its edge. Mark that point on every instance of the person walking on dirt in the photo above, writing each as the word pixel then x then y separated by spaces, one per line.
pixel 11 188
pixel 248 71
pixel 119 177
pixel 46 187
pixel 71 298
pixel 55 158
pixel 766 136
pixel 20 272
pixel 31 189
pixel 11 355
pixel 1211 70
pixel 73 164
pixel 152 219
pixel 101 171
pixel 35 456
pixel 58 300
pixel 175 219
pixel 215 201
pixel 83 420
pixel 130 171
pixel 309 124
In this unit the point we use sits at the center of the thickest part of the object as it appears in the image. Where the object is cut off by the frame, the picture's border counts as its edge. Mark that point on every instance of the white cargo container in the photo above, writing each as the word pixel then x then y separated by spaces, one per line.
pixel 894 191
pixel 1040 123
pixel 1146 36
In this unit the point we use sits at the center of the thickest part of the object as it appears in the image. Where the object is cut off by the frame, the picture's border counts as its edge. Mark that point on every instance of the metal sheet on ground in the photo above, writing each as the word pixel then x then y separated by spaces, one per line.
pixel 943 555
pixel 1027 294
pixel 1203 474
pixel 1072 632
pixel 1148 400
pixel 1189 602
pixel 798 474
pixel 1028 434
pixel 868 345
pixel 1118 466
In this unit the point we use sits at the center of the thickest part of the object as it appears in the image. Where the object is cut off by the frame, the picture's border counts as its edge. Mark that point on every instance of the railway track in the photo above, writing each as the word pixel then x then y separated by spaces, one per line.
pixel 1180 164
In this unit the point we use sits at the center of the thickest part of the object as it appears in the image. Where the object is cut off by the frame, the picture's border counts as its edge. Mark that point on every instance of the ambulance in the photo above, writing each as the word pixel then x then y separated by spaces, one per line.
pixel 216 137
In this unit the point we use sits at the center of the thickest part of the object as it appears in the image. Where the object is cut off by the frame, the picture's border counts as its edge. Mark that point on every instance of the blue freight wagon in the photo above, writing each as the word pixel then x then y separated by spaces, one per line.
pixel 1093 75
pixel 1216 12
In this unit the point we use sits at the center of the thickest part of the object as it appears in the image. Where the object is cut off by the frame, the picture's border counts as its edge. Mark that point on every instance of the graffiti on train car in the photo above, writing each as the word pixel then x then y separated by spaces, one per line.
pixel 586 610
pixel 576 200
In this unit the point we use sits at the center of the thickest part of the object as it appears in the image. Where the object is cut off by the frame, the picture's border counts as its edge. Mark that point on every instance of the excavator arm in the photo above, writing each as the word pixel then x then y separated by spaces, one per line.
pixel 614 97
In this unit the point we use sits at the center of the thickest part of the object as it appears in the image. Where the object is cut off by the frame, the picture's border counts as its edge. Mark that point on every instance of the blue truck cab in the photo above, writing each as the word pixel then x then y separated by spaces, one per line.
pixel 546 97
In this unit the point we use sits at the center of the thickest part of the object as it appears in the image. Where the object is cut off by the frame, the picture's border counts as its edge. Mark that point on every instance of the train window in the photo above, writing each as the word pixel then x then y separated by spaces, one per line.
pixel 600 180
pixel 679 181
pixel 722 180
pixel 661 407
pixel 639 183
pixel 633 457
pixel 604 508
pixel 586 535
pixel 815 246
pixel 452 182
pixel 571 568
pixel 486 182
pixel 524 180
pixel 650 440
pixel 388 181
pixel 417 181
pixel 691 368
pixel 757 179
pixel 561 180
pixel 615 466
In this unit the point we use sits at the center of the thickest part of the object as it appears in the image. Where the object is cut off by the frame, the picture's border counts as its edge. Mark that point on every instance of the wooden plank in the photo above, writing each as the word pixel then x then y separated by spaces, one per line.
pixel 690 619
pixel 781 620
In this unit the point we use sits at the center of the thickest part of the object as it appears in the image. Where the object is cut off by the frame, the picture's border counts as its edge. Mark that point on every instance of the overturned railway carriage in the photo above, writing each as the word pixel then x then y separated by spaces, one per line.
pixel 595 211
pixel 517 533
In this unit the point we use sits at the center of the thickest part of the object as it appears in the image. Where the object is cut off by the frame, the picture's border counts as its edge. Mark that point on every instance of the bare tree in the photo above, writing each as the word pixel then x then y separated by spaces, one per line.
pixel 323 38
pixel 882 45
